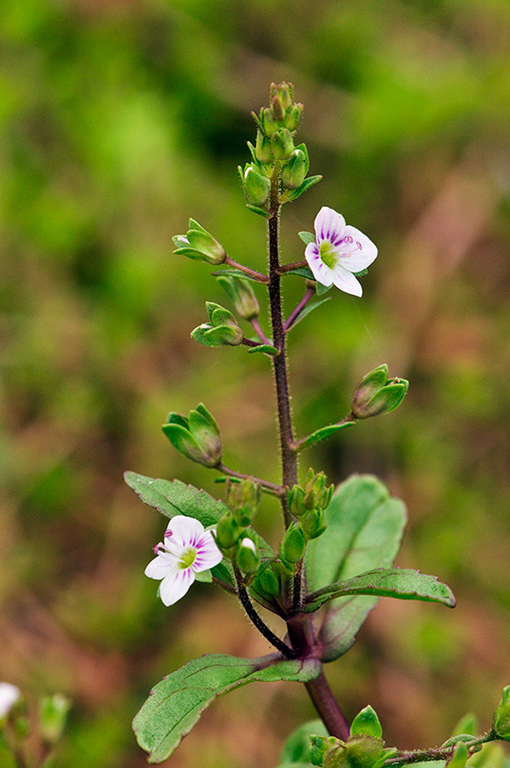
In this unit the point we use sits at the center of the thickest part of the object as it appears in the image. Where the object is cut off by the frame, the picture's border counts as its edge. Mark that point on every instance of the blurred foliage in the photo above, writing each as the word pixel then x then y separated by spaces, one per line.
pixel 118 121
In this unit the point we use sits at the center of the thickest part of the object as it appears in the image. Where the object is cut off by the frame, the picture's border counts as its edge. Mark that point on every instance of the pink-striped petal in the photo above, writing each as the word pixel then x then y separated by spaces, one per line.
pixel 175 585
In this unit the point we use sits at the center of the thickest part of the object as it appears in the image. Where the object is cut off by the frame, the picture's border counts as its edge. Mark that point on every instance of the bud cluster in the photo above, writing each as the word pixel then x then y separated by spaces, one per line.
pixel 233 536
pixel 222 330
pixel 197 437
pixel 376 394
pixel 276 126
pixel 307 505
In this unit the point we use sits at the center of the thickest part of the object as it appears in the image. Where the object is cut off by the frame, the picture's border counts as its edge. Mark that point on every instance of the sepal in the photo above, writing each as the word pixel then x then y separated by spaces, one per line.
pixel 199 244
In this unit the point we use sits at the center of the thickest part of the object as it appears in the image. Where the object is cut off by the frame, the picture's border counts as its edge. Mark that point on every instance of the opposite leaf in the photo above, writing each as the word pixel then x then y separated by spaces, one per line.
pixel 176 703
pixel 402 583
pixel 365 526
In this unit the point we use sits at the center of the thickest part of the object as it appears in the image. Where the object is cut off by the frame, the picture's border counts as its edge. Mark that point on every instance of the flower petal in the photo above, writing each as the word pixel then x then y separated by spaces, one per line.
pixel 175 585
pixel 321 272
pixel 346 281
pixel 208 554
pixel 357 250
pixel 161 566
pixel 328 224
pixel 184 530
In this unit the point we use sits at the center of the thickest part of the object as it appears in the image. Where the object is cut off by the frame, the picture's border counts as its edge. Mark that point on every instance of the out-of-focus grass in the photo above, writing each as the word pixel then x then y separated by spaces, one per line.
pixel 118 121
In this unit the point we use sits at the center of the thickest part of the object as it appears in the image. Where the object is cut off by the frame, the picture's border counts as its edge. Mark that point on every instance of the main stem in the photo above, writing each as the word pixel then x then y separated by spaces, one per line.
pixel 300 628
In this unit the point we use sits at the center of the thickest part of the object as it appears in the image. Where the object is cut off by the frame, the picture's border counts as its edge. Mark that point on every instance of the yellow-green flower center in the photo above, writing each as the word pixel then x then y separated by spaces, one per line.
pixel 187 558
pixel 328 254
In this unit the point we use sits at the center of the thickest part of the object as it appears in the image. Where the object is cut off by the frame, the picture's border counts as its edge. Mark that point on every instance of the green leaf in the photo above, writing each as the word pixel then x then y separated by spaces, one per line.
pixel 307 237
pixel 402 583
pixel 267 348
pixel 323 433
pixel 367 722
pixel 176 703
pixel 293 194
pixel 301 272
pixel 256 209
pixel 296 749
pixel 306 311
pixel 365 526
pixel 321 289
pixel 235 273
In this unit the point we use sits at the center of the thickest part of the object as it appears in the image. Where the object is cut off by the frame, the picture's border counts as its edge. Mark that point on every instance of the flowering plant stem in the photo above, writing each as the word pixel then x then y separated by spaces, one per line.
pixel 298 626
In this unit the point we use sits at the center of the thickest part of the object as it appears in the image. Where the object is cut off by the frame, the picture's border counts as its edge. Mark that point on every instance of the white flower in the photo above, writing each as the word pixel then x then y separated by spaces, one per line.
pixel 187 550
pixel 9 695
pixel 339 251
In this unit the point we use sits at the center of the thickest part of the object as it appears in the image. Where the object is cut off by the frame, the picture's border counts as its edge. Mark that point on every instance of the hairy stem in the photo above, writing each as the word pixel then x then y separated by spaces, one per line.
pixel 258 330
pixel 300 628
pixel 258 276
pixel 297 311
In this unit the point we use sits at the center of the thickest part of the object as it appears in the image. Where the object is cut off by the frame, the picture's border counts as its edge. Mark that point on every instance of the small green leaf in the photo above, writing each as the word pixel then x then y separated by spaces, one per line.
pixel 323 433
pixel 293 194
pixel 307 237
pixel 261 211
pixel 367 722
pixel 267 348
pixel 205 576
pixel 402 583
pixel 296 749
pixel 306 311
pixel 176 703
pixel 365 526
pixel 301 272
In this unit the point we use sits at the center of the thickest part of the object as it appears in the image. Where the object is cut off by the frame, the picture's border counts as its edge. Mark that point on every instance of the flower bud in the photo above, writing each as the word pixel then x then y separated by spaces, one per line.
pixel 222 330
pixel 196 437
pixel 292 548
pixel 501 720
pixel 313 523
pixel 295 170
pixel 282 144
pixel 293 117
pixel 296 497
pixel 256 186
pixel 263 151
pixel 375 394
pixel 267 582
pixel 228 532
pixel 248 555
pixel 319 745
pixel 243 499
pixel 267 122
pixel 198 243
pixel 241 294
pixel 53 716
pixel 10 696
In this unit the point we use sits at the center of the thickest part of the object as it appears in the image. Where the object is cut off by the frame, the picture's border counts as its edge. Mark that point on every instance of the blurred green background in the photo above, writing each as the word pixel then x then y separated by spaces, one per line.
pixel 118 121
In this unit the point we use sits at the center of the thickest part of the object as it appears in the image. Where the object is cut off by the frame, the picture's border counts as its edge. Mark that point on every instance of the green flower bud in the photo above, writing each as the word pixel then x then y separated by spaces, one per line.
pixel 281 96
pixel 295 170
pixel 198 243
pixel 501 720
pixel 293 117
pixel 292 548
pixel 313 523
pixel 248 555
pixel 222 330
pixel 228 532
pixel 53 716
pixel 296 498
pixel 282 144
pixel 243 499
pixel 241 294
pixel 263 151
pixel 256 186
pixel 267 582
pixel 267 121
pixel 196 437
pixel 375 394
pixel 319 745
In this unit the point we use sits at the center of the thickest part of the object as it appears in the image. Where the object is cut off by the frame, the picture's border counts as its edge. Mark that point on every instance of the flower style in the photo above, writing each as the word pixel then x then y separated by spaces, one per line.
pixel 187 550
pixel 9 695
pixel 339 251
